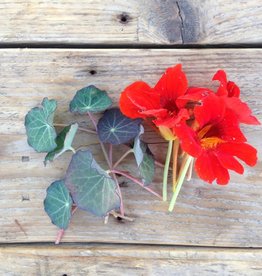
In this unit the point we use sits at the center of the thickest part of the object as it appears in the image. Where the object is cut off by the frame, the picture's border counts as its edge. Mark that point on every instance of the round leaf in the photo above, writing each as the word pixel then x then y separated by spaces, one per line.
pixel 40 132
pixel 91 187
pixel 58 204
pixel 90 99
pixel 115 128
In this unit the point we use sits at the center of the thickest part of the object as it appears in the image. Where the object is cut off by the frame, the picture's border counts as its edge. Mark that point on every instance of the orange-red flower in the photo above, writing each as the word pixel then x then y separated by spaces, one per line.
pixel 215 140
pixel 229 92
pixel 139 100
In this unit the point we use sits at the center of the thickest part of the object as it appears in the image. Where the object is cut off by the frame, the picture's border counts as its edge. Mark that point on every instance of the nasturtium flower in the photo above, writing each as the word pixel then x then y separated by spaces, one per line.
pixel 228 91
pixel 215 140
pixel 139 100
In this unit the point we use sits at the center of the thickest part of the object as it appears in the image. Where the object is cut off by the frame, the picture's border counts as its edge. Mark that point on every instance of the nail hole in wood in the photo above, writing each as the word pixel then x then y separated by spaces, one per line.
pixel 25 159
pixel 124 18
pixel 92 72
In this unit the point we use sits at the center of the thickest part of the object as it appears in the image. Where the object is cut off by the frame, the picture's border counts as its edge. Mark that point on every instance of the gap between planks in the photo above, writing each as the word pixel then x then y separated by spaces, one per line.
pixel 75 46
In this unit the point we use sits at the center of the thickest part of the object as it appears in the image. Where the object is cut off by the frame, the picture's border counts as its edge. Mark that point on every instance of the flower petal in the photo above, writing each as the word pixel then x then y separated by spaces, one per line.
pixel 209 168
pixel 243 151
pixel 242 111
pixel 138 97
pixel 188 139
pixel 229 162
pixel 194 95
pixel 172 84
pixel 233 89
pixel 221 76
pixel 211 111
pixel 171 121
pixel 229 128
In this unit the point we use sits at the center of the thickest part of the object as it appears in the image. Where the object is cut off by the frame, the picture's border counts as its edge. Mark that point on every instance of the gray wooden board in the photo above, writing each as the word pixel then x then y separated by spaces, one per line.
pixel 204 215
pixel 133 21
pixel 136 260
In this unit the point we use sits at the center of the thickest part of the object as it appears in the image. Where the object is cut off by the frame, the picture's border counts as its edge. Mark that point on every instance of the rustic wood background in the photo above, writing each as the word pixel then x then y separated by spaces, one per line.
pixel 51 49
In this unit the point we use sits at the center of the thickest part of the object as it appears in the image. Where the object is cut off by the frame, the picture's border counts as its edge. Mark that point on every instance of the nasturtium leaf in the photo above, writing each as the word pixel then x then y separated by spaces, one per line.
pixel 115 128
pixel 58 204
pixel 91 187
pixel 40 131
pixel 64 142
pixel 90 99
pixel 144 159
pixel 137 148
pixel 147 168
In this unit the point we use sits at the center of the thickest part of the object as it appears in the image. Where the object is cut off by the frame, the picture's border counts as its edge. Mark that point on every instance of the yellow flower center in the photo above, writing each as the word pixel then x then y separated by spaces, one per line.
pixel 211 142
pixel 208 142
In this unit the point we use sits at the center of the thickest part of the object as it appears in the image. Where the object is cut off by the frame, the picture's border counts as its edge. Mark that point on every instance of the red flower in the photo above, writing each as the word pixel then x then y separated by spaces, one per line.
pixel 226 88
pixel 229 92
pixel 139 100
pixel 215 140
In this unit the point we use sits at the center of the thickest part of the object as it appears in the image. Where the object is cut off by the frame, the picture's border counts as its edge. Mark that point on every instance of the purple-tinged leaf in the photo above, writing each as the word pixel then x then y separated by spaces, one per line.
pixel 91 187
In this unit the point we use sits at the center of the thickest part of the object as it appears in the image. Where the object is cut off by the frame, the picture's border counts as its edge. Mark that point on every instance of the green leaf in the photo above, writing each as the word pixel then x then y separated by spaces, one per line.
pixel 115 128
pixel 138 151
pixel 144 159
pixel 90 99
pixel 64 142
pixel 147 169
pixel 40 131
pixel 91 187
pixel 58 204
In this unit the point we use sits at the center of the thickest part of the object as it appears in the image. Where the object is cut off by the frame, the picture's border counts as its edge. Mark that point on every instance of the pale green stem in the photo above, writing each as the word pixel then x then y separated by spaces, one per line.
pixel 79 128
pixel 166 169
pixel 180 181
pixel 190 170
pixel 72 149
pixel 122 158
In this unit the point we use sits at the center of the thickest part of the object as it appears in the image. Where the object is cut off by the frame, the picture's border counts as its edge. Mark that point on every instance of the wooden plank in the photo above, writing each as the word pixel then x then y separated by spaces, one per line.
pixel 134 21
pixel 127 260
pixel 204 215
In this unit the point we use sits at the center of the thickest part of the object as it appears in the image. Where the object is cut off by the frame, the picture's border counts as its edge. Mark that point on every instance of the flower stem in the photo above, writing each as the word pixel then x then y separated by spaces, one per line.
pixel 190 170
pixel 122 158
pixel 166 169
pixel 122 210
pixel 175 153
pixel 180 181
pixel 111 154
pixel 59 236
pixel 136 181
pixel 79 128
pixel 116 215
pixel 101 144
pixel 61 232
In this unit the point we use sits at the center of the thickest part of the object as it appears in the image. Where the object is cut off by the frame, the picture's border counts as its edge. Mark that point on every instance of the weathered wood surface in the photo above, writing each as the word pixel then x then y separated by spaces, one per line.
pixel 133 21
pixel 127 260
pixel 204 215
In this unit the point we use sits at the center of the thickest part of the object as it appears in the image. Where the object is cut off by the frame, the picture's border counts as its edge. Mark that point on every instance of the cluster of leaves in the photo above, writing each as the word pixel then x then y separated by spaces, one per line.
pixel 86 184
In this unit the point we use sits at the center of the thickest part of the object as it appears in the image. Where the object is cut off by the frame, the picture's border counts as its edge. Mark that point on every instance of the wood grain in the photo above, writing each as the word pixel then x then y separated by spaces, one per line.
pixel 127 260
pixel 134 21
pixel 204 214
